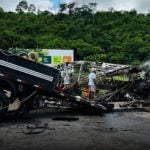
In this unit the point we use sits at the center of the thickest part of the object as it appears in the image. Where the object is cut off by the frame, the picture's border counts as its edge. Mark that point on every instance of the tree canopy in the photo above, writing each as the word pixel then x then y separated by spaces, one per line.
pixel 111 36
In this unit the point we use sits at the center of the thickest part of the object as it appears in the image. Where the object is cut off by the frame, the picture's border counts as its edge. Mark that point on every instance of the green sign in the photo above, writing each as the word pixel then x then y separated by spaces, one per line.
pixel 57 59
pixel 47 59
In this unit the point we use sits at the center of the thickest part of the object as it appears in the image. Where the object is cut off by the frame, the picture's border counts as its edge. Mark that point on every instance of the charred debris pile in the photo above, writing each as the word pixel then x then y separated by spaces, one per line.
pixel 126 87
pixel 119 87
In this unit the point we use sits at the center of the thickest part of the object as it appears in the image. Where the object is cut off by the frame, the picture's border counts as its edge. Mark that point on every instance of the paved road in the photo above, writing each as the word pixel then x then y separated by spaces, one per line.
pixel 113 131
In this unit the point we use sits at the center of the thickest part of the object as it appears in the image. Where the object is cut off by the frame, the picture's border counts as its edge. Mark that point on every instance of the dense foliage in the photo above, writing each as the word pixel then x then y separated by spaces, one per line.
pixel 110 36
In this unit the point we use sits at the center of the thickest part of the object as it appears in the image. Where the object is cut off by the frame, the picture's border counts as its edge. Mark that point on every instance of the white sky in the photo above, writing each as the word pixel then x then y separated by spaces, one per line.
pixel 10 5
pixel 142 6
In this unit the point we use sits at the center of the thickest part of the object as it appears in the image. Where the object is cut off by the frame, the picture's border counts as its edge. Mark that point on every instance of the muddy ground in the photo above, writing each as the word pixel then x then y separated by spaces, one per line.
pixel 111 131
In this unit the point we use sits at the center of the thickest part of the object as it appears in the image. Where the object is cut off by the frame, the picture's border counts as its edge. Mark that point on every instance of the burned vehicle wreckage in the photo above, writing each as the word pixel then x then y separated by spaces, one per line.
pixel 133 91
pixel 33 85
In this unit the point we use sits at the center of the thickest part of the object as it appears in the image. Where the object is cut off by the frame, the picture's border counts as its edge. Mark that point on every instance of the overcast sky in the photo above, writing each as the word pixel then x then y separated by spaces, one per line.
pixel 142 6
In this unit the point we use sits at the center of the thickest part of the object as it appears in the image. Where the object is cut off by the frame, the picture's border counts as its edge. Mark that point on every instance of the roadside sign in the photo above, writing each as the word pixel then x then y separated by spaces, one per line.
pixel 46 59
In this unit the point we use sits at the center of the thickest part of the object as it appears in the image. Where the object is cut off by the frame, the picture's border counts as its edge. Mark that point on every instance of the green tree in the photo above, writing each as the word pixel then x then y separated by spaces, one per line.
pixel 22 6
pixel 62 7
pixel 71 8
pixel 31 8
pixel 1 10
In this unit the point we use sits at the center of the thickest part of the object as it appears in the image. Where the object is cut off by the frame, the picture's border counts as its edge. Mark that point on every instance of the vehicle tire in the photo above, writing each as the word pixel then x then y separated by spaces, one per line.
pixel 4 102
pixel 9 86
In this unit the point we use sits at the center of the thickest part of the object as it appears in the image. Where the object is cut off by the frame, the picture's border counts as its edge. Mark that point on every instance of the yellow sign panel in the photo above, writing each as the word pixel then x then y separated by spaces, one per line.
pixel 57 59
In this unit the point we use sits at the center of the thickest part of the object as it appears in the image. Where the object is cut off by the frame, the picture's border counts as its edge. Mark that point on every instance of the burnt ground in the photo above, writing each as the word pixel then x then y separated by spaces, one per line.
pixel 49 131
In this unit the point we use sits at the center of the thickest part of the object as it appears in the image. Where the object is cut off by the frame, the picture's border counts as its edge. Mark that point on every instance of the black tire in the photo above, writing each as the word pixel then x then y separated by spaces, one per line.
pixel 4 102
pixel 10 86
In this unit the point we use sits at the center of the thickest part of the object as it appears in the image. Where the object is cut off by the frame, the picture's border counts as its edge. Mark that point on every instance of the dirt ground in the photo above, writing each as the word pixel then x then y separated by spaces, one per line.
pixel 111 131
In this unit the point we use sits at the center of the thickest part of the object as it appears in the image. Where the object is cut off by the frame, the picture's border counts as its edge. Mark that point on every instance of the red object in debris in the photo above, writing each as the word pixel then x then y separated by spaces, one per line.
pixel 86 91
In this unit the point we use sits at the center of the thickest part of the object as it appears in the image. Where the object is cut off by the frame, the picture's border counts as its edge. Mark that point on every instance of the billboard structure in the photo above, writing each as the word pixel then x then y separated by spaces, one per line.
pixel 48 56
pixel 57 56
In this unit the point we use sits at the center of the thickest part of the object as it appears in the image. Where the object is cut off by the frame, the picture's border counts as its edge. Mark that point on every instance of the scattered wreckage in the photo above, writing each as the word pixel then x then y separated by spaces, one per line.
pixel 131 92
pixel 123 86
pixel 31 85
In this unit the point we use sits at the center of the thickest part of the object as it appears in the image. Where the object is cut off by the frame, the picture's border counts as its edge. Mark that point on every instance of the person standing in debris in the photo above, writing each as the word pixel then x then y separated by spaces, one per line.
pixel 92 84
pixel 66 81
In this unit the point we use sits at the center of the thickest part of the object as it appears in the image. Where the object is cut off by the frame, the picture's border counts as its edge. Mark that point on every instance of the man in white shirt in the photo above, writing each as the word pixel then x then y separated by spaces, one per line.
pixel 66 81
pixel 92 83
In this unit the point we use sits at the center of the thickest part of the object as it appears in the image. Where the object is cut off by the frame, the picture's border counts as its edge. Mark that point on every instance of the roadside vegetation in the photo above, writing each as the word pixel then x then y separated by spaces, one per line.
pixel 110 36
